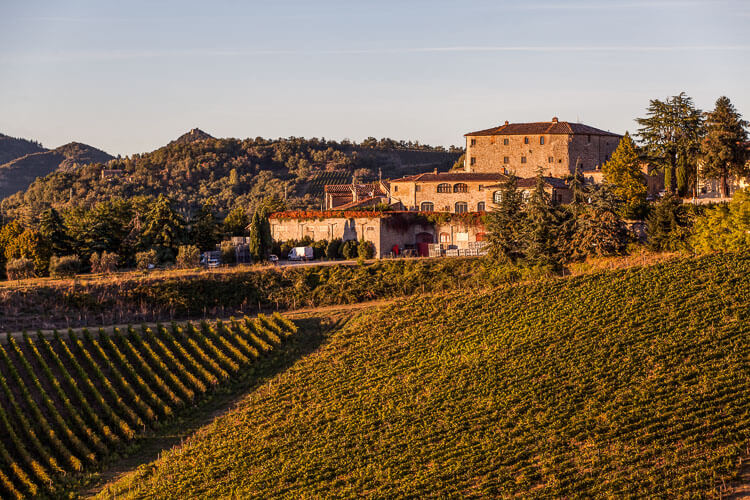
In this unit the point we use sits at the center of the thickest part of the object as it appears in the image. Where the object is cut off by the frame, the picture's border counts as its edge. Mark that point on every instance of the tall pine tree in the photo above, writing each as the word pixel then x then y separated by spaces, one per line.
pixel 504 223
pixel 623 174
pixel 53 230
pixel 164 229
pixel 724 152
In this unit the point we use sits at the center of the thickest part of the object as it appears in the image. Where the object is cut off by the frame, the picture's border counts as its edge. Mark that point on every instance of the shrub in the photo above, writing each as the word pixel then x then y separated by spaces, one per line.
pixel 284 250
pixel 365 249
pixel 188 256
pixel 349 249
pixel 144 259
pixel 66 266
pixel 332 250
pixel 104 263
pixel 20 268
pixel 319 249
pixel 228 253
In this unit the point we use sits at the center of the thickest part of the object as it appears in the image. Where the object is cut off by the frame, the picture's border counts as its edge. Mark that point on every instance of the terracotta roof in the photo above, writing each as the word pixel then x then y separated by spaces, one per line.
pixel 452 177
pixel 542 128
pixel 362 189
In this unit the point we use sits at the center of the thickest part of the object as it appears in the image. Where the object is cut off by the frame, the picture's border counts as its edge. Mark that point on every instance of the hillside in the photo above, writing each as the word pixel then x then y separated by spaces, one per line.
pixel 12 148
pixel 197 169
pixel 629 383
pixel 17 174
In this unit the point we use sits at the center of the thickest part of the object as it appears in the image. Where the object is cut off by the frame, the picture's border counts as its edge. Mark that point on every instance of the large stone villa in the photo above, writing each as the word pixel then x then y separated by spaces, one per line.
pixel 439 205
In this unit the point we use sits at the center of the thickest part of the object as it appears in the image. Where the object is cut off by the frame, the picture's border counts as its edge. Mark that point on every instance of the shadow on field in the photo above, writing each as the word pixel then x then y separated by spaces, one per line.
pixel 312 332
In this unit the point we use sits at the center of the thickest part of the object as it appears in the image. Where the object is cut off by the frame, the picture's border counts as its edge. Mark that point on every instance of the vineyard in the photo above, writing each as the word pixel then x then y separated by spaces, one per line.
pixel 318 183
pixel 629 383
pixel 70 402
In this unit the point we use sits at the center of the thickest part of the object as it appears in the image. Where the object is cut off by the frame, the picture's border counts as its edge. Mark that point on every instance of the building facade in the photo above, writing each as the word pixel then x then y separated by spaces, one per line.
pixel 523 149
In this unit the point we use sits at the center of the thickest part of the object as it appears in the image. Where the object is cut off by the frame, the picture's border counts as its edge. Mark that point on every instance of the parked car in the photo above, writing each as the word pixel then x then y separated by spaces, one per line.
pixel 211 259
pixel 273 258
pixel 301 253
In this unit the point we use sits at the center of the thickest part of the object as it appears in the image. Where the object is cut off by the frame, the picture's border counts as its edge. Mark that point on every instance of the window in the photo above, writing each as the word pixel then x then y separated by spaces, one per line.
pixel 395 188
pixel 523 159
pixel 461 207
pixel 417 187
pixel 506 159
pixel 460 188
pixel 506 142
pixel 541 141
pixel 445 238
pixel 526 195
pixel 525 140
pixel 588 139
pixel 480 206
pixel 427 206
pixel 550 160
pixel 444 188
pixel 473 142
pixel 481 188
pixel 497 197
pixel 473 161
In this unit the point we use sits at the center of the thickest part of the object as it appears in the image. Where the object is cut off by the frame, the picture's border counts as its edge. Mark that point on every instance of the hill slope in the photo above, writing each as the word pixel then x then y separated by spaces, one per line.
pixel 12 148
pixel 17 174
pixel 628 384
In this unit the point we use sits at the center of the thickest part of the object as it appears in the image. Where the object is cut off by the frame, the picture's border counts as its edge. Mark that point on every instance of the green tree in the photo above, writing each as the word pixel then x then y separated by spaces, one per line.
pixel 163 229
pixel 30 245
pixel 53 230
pixel 260 236
pixel 332 249
pixel 623 174
pixel 597 229
pixel 204 231
pixel 671 135
pixel 8 233
pixel 667 225
pixel 504 223
pixel 725 227
pixel 236 222
pixel 540 229
pixel 723 149
pixel 188 256
pixel 365 249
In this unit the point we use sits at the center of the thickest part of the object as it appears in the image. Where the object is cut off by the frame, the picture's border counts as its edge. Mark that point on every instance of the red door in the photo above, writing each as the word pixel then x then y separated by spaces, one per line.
pixel 423 244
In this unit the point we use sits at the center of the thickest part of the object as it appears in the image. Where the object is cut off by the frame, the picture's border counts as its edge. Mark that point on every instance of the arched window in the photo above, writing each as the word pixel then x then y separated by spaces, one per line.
pixel 427 206
pixel 444 188
pixel 480 206
pixel 497 197
pixel 445 238
pixel 460 188
pixel 461 207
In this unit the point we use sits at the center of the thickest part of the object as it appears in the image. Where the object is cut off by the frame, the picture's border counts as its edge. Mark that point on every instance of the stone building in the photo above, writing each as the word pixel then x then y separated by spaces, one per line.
pixel 352 196
pixel 390 232
pixel 555 147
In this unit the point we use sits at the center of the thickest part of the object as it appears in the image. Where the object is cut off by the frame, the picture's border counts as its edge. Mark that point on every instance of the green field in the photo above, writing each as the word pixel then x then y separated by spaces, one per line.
pixel 631 383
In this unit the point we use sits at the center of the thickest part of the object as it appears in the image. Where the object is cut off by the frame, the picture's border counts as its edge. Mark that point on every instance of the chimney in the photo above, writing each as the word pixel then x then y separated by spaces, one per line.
pixel 435 171
pixel 506 123
pixel 554 119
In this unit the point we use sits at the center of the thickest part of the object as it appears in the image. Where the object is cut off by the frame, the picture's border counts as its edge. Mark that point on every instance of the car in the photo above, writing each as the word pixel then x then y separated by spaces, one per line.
pixel 273 258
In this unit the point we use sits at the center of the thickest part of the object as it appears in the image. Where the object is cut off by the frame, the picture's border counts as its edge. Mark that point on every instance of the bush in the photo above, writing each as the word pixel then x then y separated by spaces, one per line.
pixel 284 250
pixel 332 250
pixel 145 259
pixel 21 268
pixel 64 267
pixel 319 249
pixel 188 256
pixel 104 263
pixel 349 249
pixel 228 253
pixel 365 249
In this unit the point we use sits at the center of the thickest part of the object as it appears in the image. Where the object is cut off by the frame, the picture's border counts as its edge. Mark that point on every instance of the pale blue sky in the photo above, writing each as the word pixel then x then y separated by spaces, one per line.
pixel 129 76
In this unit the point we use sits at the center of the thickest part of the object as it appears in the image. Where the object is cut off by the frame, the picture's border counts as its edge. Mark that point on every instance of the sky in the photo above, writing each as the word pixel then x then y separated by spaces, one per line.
pixel 129 76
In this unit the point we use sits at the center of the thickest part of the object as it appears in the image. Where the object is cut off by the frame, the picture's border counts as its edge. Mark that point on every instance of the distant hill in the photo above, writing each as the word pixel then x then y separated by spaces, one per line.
pixel 18 173
pixel 194 135
pixel 197 168
pixel 12 148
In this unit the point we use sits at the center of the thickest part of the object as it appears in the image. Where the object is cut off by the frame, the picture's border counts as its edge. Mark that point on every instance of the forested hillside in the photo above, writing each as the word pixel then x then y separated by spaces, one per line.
pixel 18 173
pixel 625 384
pixel 12 148
pixel 197 169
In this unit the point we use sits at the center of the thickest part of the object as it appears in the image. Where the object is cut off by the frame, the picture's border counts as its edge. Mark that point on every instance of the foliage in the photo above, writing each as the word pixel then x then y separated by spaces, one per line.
pixel 21 268
pixel 623 173
pixel 188 256
pixel 668 225
pixel 539 231
pixel 723 150
pixel 164 229
pixel 235 224
pixel 29 244
pixel 349 249
pixel 365 249
pixel 260 236
pixel 66 266
pixel 205 230
pixel 100 393
pixel 319 249
pixel 104 263
pixel 593 229
pixel 228 252
pixel 671 135
pixel 564 388
pixel 52 228
pixel 504 223
pixel 725 227
pixel 332 249
pixel 144 260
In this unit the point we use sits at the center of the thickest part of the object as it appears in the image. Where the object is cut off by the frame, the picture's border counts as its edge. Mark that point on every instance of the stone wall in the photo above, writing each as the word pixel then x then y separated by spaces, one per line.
pixel 413 194
pixel 490 153
pixel 590 152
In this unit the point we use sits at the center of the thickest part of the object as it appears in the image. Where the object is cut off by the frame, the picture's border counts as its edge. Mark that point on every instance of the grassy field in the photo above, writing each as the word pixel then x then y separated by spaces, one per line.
pixel 625 383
